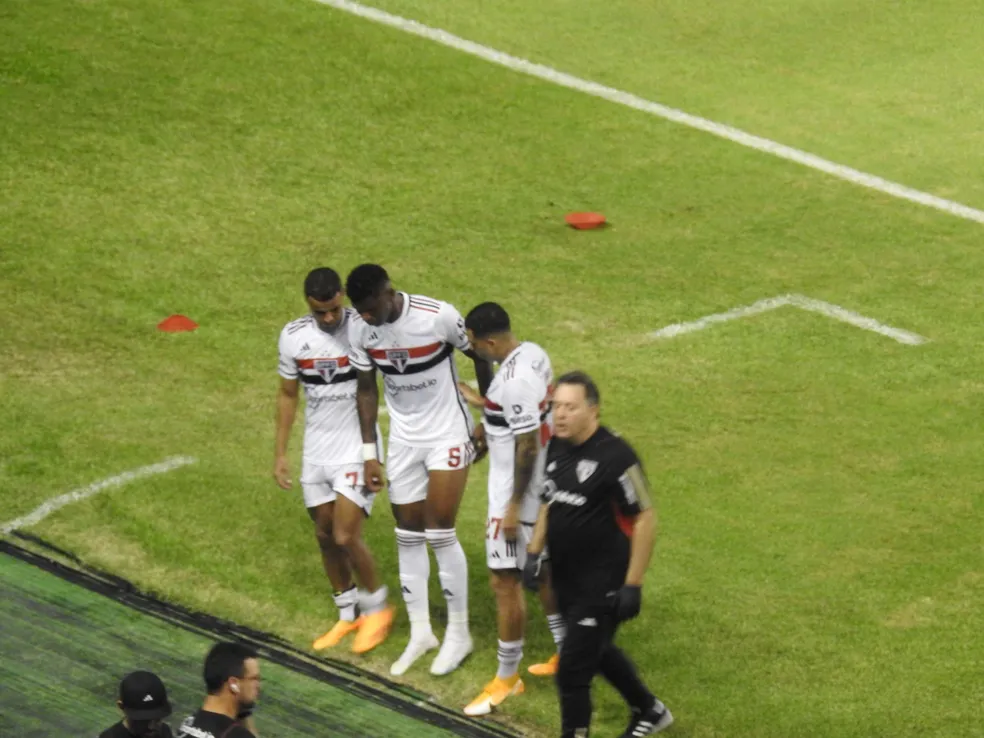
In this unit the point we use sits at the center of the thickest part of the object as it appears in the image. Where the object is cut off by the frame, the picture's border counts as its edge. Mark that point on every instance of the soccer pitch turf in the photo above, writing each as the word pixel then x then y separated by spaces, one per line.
pixel 819 565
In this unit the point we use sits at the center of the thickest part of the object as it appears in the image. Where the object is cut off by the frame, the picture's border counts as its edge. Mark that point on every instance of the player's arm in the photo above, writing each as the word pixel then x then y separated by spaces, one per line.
pixel 527 452
pixel 520 402
pixel 483 371
pixel 367 403
pixel 452 327
pixel 287 397
pixel 524 465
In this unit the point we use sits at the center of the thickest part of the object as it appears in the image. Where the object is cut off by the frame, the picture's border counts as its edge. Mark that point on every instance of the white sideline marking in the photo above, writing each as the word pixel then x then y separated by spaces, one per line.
pixel 611 94
pixel 56 503
pixel 804 303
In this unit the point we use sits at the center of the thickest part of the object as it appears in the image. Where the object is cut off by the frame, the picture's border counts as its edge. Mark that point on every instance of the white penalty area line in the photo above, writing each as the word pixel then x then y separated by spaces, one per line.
pixel 799 301
pixel 627 99
pixel 83 493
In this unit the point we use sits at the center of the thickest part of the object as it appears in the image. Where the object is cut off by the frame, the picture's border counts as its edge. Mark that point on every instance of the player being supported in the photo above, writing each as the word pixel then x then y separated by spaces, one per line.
pixel 410 340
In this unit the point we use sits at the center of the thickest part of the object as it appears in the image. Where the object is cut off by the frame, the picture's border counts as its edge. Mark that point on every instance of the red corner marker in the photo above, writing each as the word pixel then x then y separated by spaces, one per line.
pixel 585 221
pixel 177 324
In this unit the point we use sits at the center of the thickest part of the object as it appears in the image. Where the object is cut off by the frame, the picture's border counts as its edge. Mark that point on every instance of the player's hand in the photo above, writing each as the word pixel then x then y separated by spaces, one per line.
pixel 471 395
pixel 281 472
pixel 374 475
pixel 628 602
pixel 510 523
pixel 531 572
pixel 479 443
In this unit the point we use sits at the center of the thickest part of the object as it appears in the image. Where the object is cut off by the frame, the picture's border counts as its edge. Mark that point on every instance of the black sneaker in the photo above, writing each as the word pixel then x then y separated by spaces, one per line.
pixel 653 720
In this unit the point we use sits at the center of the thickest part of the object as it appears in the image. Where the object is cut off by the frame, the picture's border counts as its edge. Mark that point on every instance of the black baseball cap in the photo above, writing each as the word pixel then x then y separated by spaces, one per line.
pixel 143 697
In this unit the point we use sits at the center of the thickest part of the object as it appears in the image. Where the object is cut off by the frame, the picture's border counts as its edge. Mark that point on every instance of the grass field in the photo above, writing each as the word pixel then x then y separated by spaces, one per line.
pixel 819 569
pixel 66 647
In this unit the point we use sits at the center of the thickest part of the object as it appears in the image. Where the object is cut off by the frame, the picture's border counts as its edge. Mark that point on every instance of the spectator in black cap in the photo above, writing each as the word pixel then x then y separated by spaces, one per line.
pixel 143 700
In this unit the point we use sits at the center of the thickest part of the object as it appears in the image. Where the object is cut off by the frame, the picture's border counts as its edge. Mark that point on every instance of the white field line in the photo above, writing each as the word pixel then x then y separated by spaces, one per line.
pixel 799 301
pixel 56 503
pixel 627 99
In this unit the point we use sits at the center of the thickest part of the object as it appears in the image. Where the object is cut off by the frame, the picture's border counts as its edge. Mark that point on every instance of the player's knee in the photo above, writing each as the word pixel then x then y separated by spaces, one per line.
pixel 325 535
pixel 409 517
pixel 505 585
pixel 343 537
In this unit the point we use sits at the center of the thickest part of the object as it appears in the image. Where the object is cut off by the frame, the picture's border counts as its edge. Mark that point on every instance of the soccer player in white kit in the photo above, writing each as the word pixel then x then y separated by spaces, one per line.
pixel 516 427
pixel 411 339
pixel 314 352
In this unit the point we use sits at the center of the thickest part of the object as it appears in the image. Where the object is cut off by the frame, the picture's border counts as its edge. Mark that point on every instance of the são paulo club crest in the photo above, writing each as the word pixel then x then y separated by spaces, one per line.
pixel 585 469
pixel 398 358
pixel 326 368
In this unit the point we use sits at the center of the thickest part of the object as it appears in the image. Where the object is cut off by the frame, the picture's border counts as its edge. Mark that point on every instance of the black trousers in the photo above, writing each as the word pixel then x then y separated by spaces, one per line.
pixel 589 649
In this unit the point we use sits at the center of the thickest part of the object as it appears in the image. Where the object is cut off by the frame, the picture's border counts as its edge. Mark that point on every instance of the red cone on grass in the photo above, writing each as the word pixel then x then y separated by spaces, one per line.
pixel 177 324
pixel 585 221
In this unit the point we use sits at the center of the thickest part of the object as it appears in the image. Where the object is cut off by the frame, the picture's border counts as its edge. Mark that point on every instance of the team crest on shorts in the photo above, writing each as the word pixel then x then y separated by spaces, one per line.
pixel 398 358
pixel 585 469
pixel 326 368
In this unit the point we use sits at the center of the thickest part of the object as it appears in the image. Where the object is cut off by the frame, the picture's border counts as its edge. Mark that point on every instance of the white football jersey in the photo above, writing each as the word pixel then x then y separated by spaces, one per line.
pixel 518 401
pixel 415 355
pixel 320 360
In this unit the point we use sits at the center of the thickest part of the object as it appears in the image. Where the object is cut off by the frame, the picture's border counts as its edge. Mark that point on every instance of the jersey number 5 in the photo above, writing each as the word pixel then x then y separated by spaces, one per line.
pixel 454 457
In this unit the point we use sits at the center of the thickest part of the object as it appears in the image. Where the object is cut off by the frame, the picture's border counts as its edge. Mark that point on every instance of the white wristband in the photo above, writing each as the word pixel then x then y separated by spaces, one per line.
pixel 369 452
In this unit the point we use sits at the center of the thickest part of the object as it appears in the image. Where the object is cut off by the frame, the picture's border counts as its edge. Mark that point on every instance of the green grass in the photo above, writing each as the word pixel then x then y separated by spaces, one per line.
pixel 818 570
pixel 66 648
pixel 890 88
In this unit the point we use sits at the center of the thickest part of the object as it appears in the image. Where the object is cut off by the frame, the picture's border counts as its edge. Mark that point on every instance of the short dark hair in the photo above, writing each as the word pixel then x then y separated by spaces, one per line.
pixel 365 281
pixel 322 284
pixel 487 319
pixel 224 661
pixel 582 380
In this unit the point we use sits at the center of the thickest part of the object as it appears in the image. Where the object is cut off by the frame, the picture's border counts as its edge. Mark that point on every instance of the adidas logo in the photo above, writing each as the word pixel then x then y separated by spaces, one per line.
pixel 447 593
pixel 588 622
pixel 148 698
pixel 305 347
pixel 405 589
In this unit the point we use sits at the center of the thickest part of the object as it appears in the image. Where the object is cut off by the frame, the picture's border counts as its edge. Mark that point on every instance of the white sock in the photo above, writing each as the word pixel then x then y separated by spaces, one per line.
pixel 558 628
pixel 453 572
pixel 370 602
pixel 345 602
pixel 414 574
pixel 510 654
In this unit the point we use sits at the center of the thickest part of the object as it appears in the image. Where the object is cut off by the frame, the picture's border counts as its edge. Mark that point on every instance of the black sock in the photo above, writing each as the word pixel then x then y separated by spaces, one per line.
pixel 621 674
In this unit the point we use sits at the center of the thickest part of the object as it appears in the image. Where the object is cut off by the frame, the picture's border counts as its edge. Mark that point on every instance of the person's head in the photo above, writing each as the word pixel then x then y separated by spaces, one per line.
pixel 489 331
pixel 232 672
pixel 575 407
pixel 324 294
pixel 373 297
pixel 143 700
